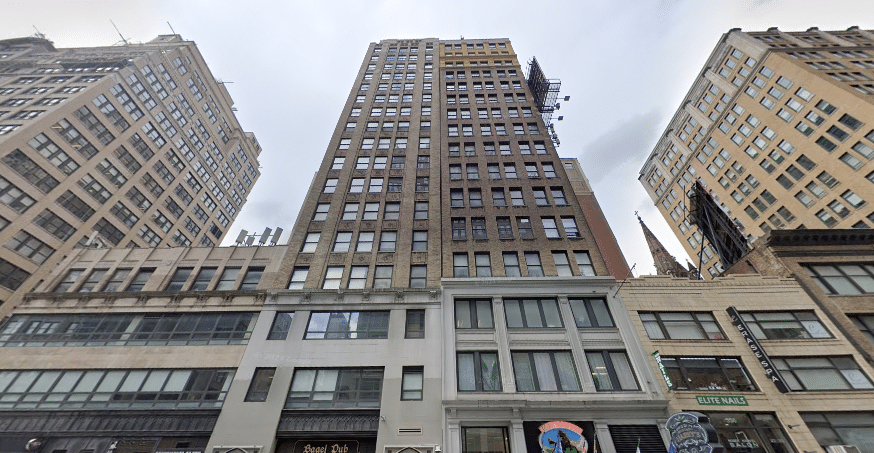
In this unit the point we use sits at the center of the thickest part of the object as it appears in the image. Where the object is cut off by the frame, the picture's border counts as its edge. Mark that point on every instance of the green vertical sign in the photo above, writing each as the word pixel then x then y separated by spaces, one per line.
pixel 658 359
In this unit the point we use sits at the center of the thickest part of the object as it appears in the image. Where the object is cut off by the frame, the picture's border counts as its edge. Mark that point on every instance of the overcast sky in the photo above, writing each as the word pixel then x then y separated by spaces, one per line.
pixel 625 64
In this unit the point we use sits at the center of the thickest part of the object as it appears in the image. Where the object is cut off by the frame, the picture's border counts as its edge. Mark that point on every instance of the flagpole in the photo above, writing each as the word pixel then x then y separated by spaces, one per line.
pixel 638 445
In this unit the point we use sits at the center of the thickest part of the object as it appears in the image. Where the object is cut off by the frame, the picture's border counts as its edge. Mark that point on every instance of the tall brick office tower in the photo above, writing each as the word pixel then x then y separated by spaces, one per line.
pixel 441 166
pixel 450 285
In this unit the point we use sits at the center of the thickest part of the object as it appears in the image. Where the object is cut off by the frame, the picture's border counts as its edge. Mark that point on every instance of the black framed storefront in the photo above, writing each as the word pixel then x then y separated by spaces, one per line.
pixel 327 432
pixel 118 432
pixel 749 432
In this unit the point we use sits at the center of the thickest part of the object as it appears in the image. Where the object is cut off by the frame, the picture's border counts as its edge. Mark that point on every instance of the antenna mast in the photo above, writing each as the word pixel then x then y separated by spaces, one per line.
pixel 119 33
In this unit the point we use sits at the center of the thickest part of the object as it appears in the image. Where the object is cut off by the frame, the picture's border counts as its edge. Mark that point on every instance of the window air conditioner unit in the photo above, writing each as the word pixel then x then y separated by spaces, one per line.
pixel 842 449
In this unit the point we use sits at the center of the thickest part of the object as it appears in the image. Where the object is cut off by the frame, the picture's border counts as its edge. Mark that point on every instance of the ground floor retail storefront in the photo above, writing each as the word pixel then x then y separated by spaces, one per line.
pixel 562 428
pixel 106 431
pixel 748 432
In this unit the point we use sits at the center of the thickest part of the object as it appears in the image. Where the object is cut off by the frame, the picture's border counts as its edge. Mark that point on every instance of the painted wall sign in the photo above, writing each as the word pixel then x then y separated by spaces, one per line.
pixel 729 400
pixel 325 446
pixel 753 343
pixel 658 359
pixel 562 437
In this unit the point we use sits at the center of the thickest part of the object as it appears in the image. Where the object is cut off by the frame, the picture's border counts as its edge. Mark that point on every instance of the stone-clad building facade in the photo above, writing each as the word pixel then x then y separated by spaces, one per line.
pixel 778 126
pixel 135 145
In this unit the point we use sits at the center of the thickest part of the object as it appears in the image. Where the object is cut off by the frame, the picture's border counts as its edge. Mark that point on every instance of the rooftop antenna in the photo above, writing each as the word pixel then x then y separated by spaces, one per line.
pixel 119 33
pixel 39 34
pixel 171 27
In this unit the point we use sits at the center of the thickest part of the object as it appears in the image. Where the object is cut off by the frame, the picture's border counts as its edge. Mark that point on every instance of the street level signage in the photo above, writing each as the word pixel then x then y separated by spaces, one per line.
pixel 728 400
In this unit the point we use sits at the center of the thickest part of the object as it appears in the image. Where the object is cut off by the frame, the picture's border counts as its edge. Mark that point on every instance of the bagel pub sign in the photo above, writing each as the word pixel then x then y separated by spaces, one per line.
pixel 325 446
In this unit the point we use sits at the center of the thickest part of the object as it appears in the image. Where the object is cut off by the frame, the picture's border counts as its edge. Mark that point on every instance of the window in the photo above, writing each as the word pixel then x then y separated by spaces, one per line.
pixel 472 172
pixel 822 373
pixel 550 228
pixel 611 371
pixel 559 199
pixel 420 211
pixel 375 185
pixel 115 280
pixel 475 197
pixel 229 277
pixel 473 314
pixel 485 439
pixel 387 241
pixel 544 371
pixel 30 247
pixel 179 278
pixel 570 227
pixel 785 325
pixel 333 276
pixel 139 280
pixel 182 388
pixel 260 384
pixel 310 243
pixel 201 282
pixel 591 312
pixel 344 239
pixel 281 325
pixel 92 280
pixel 516 197
pixel 460 265
pixel 865 323
pixel 511 264
pixel 333 387
pixel 510 171
pixel 459 229
pixel 382 276
pixel 532 313
pixel 478 372
pixel 418 276
pixel 840 428
pixel 347 325
pixel 523 224
pixel 681 326
pixel 540 196
pixel 498 198
pixel 843 279
pixel 708 373
pixel 483 264
pixel 411 383
pixel 330 185
pixel 853 199
pixel 415 324
pixel 251 279
pixel 454 172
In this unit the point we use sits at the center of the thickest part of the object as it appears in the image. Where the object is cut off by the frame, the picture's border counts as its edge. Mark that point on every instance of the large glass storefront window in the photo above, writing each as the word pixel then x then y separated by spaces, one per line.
pixel 842 428
pixel 741 432
pixel 485 440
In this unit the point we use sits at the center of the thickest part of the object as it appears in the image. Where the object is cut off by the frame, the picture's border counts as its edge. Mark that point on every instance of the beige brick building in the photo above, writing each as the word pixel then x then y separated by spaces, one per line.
pixel 796 383
pixel 134 145
pixel 778 125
